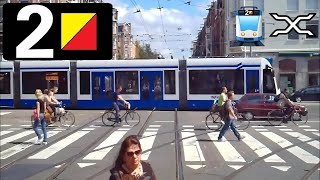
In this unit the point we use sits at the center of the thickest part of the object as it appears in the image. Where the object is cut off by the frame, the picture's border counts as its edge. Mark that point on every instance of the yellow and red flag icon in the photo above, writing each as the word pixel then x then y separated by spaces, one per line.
pixel 78 31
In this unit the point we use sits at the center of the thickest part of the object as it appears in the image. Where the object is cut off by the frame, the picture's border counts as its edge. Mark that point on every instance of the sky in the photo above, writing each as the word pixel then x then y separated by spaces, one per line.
pixel 172 29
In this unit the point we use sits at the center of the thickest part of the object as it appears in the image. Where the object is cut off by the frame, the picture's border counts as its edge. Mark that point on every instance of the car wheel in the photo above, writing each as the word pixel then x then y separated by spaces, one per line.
pixel 248 116
pixel 298 99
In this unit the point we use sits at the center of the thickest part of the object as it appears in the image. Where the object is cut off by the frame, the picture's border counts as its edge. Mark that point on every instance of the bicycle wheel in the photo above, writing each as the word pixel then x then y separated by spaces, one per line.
pixel 67 119
pixel 275 117
pixel 213 121
pixel 132 118
pixel 109 118
pixel 299 119
pixel 242 124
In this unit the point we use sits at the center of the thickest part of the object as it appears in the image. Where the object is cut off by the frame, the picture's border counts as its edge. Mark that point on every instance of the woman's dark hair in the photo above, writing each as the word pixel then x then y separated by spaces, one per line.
pixel 46 91
pixel 130 140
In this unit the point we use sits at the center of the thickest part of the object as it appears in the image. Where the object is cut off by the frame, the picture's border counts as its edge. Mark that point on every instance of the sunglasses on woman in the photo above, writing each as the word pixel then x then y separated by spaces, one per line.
pixel 130 154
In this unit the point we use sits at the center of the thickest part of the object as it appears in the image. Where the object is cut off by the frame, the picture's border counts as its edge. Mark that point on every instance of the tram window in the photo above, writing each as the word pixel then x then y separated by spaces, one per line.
pixel 268 81
pixel 5 83
pixel 129 81
pixel 211 81
pixel 44 80
pixel 170 81
pixel 84 82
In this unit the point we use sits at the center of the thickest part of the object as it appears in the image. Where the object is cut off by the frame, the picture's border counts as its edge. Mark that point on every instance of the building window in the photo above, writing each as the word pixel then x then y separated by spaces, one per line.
pixel 312 4
pixel 128 80
pixel 293 35
pixel 211 81
pixel 292 5
pixel 84 82
pixel 44 80
pixel 314 79
pixel 170 81
pixel 313 26
pixel 5 87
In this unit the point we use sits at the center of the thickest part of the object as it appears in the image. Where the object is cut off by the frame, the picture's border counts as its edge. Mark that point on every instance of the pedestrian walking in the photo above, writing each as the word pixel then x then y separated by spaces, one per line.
pixel 39 118
pixel 229 118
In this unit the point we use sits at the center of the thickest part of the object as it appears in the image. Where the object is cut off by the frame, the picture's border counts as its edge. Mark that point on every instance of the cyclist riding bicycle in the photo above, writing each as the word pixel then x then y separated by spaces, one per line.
pixel 219 107
pixel 285 102
pixel 116 96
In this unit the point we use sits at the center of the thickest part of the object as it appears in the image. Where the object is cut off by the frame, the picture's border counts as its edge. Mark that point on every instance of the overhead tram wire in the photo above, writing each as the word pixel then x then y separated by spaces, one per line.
pixel 141 17
pixel 164 33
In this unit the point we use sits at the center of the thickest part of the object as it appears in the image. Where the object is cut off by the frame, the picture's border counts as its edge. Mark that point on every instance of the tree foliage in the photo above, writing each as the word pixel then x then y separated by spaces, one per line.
pixel 145 52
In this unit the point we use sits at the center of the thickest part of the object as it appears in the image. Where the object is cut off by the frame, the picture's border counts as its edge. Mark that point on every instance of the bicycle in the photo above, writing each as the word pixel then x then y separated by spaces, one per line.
pixel 63 117
pixel 297 115
pixel 214 121
pixel 131 117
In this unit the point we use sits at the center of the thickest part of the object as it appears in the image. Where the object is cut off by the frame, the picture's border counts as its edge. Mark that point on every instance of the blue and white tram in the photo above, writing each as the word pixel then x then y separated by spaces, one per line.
pixel 159 83
pixel 242 75
pixel 248 24
pixel 6 83
pixel 44 75
pixel 145 83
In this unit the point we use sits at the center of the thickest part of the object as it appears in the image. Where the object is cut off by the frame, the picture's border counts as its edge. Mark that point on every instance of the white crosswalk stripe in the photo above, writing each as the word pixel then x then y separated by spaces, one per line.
pixel 53 149
pixel 20 147
pixel 193 151
pixel 102 149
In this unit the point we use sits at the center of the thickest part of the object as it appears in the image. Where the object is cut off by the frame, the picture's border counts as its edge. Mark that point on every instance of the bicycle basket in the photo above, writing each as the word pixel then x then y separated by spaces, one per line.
pixel 60 110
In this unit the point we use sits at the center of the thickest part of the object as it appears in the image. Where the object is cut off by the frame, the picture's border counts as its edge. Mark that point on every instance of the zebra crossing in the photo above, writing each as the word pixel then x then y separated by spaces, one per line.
pixel 192 149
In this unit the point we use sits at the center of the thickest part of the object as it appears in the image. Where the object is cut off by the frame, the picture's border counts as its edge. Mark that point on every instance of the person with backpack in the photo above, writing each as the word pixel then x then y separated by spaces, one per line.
pixel 229 118
pixel 283 101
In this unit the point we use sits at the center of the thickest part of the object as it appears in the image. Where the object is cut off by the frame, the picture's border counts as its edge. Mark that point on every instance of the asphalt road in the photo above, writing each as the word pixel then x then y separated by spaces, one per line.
pixel 88 150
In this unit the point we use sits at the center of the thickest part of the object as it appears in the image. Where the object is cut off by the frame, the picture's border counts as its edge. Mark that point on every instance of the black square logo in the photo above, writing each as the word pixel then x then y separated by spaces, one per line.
pixel 57 31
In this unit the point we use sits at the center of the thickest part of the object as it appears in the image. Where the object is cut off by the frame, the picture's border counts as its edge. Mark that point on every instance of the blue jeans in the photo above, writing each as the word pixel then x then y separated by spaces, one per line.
pixel 116 107
pixel 229 123
pixel 43 127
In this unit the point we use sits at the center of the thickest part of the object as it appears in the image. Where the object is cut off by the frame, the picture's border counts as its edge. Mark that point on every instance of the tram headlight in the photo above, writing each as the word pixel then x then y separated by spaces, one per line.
pixel 242 34
pixel 254 34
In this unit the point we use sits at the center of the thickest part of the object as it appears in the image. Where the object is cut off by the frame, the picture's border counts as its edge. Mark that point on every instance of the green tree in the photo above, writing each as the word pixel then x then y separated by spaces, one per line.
pixel 145 51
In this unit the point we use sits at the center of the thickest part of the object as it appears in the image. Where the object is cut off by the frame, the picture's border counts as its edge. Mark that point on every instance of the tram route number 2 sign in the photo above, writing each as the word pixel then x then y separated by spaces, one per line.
pixel 57 31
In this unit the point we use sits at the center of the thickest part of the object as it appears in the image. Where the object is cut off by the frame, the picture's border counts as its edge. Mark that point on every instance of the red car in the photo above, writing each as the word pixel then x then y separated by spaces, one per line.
pixel 256 105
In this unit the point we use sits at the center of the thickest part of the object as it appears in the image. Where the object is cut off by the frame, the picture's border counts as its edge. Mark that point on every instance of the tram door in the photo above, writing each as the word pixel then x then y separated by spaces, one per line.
pixel 252 81
pixel 102 88
pixel 151 89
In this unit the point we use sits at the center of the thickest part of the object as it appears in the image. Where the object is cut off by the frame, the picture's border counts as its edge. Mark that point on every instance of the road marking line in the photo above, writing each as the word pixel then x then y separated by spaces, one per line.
pixel 2 133
pixel 20 147
pixel 5 125
pixel 147 143
pixel 316 133
pixel 299 136
pixel 261 129
pixel 296 151
pixel 25 125
pixel 15 137
pixel 260 149
pixel 257 126
pixel 285 129
pixel 88 129
pixel 311 130
pixel 114 138
pixel 315 144
pixel 58 146
pixel 281 126
pixel 155 126
pixel 152 129
pixel 191 147
pixel 228 152
pixel 4 113
pixel 164 121
pixel 304 126
pixel 14 129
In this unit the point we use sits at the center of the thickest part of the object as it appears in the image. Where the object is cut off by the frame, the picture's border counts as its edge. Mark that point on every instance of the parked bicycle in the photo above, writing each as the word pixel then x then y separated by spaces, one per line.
pixel 63 118
pixel 298 115
pixel 214 121
pixel 131 117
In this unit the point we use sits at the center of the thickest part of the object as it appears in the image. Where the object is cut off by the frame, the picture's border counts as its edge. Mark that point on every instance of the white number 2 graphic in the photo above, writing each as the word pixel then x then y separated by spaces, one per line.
pixel 23 50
